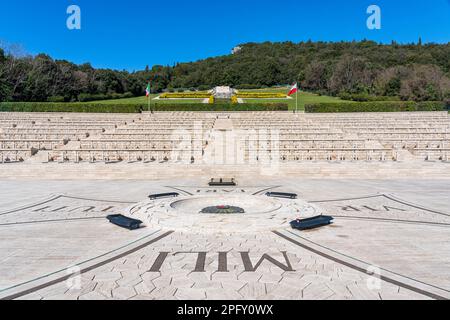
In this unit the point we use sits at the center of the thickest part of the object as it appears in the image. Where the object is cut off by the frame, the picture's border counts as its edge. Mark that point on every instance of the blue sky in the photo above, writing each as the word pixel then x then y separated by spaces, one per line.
pixel 134 33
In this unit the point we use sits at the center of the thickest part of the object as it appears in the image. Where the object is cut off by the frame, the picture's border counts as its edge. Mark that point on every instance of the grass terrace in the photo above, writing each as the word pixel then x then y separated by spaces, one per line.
pixel 304 98
pixel 144 100
pixel 261 95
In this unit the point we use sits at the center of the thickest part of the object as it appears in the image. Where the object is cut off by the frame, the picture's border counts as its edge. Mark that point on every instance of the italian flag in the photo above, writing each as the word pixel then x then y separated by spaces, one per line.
pixel 148 90
pixel 293 90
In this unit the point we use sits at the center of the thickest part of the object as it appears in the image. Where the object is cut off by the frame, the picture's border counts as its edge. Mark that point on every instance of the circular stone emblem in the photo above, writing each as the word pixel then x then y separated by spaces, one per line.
pixel 223 210
pixel 249 204
pixel 237 212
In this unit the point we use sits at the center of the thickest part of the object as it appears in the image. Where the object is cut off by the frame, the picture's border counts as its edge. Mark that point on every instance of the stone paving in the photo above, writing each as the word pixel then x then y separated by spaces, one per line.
pixel 310 277
pixel 381 246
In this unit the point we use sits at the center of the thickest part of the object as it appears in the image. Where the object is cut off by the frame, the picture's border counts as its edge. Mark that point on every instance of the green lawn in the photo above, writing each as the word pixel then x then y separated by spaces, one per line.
pixel 274 89
pixel 144 100
pixel 137 100
pixel 304 98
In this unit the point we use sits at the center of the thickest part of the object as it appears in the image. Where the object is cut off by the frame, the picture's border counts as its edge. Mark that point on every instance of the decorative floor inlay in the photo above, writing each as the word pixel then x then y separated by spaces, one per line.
pixel 379 247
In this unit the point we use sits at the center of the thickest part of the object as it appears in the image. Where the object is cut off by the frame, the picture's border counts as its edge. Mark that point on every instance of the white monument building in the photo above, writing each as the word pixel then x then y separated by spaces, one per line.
pixel 223 92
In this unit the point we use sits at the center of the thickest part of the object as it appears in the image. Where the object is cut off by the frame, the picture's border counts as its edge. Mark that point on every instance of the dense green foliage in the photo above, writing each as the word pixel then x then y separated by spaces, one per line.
pixel 387 106
pixel 134 107
pixel 70 107
pixel 41 78
pixel 410 72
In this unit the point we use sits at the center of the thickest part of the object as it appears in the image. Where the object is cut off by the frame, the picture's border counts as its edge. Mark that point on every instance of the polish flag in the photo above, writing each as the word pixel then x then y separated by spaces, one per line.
pixel 293 90
pixel 148 90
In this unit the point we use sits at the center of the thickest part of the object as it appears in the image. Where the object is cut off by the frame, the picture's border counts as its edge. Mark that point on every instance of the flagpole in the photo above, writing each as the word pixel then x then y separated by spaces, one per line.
pixel 151 109
pixel 296 100
pixel 149 97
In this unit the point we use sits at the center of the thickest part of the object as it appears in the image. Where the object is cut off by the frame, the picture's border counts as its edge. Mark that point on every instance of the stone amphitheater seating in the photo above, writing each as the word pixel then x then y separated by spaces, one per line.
pixel 288 137
pixel 350 137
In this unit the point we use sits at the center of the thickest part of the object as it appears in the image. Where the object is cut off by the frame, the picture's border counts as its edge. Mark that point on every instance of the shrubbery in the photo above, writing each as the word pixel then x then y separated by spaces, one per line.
pixel 247 86
pixel 204 87
pixel 447 104
pixel 70 107
pixel 386 106
pixel 56 99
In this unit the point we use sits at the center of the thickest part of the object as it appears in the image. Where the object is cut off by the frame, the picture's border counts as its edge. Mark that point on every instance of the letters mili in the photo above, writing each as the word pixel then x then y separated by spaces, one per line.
pixel 249 266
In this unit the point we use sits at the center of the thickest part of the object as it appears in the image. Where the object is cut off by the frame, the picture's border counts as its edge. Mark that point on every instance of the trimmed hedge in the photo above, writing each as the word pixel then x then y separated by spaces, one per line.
pixel 134 108
pixel 70 107
pixel 185 95
pixel 386 106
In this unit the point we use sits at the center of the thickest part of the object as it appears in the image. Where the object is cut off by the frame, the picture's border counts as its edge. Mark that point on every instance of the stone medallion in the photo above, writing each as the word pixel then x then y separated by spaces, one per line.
pixel 222 212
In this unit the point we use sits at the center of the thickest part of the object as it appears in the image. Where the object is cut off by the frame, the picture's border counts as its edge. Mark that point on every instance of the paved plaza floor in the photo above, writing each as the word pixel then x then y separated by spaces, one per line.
pixel 390 240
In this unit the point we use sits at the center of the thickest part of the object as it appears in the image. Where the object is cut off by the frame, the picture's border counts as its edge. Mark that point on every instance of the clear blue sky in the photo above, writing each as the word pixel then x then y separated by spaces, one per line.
pixel 130 34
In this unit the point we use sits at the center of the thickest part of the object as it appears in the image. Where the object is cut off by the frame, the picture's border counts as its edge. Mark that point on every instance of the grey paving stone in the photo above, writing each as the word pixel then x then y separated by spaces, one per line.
pixel 364 236
pixel 124 293
pixel 190 294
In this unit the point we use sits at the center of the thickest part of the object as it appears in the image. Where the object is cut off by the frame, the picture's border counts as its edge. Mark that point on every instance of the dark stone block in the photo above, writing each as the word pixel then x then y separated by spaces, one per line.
pixel 124 222
pixel 222 183
pixel 311 223
pixel 282 195
pixel 163 195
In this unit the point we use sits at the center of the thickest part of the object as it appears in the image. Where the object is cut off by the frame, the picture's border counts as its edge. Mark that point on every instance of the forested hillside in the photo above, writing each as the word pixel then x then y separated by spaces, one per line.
pixel 411 72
